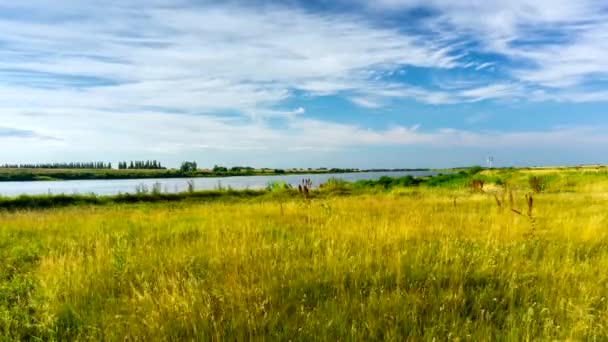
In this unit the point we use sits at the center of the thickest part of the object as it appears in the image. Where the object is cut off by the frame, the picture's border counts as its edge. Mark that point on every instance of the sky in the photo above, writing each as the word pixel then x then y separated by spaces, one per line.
pixel 311 83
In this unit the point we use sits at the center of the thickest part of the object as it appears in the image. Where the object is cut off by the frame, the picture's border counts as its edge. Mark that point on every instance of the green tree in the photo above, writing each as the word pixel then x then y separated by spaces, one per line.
pixel 188 166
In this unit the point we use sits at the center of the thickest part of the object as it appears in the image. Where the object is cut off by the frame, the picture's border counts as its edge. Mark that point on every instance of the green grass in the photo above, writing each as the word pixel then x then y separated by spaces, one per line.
pixel 417 262
pixel 54 201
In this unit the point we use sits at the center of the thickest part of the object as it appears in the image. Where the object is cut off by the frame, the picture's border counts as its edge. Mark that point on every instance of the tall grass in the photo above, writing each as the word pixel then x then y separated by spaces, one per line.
pixel 380 267
pixel 418 263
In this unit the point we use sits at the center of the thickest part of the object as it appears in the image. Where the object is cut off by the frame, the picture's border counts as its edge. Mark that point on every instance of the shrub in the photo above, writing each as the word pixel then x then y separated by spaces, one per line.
pixel 475 170
pixel 385 181
pixel 334 184
pixel 454 179
pixel 188 167
pixel 277 185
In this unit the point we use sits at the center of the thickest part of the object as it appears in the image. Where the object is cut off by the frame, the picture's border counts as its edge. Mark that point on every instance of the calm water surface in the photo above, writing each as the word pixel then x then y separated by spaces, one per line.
pixel 171 185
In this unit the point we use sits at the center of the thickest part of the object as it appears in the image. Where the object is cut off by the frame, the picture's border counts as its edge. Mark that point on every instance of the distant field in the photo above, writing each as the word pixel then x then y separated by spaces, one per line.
pixel 553 169
pixel 383 260
pixel 73 174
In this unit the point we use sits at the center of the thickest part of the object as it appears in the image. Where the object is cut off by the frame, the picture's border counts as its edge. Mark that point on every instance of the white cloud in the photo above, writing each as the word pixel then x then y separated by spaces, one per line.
pixel 557 44
pixel 366 102
pixel 493 91
pixel 484 66
pixel 211 57
pixel 169 76
pixel 154 132
pixel 203 58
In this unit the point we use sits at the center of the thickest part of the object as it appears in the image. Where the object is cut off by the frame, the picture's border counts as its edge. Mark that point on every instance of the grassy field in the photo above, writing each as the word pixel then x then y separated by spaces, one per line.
pixel 386 260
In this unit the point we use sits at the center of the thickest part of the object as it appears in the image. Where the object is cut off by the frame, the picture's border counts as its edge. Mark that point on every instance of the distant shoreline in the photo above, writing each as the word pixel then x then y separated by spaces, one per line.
pixel 43 174
pixel 32 175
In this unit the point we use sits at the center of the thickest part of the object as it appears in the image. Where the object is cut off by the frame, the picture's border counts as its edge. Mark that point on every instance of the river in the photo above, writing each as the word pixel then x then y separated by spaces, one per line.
pixel 173 185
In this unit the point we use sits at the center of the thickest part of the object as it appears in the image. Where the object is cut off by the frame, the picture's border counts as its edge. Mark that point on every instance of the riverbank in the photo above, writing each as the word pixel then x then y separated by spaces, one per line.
pixel 476 180
pixel 108 187
pixel 17 175
pixel 273 189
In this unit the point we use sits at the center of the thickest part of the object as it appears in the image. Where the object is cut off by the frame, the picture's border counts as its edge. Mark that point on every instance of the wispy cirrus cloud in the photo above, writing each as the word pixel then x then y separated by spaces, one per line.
pixel 366 102
pixel 206 57
pixel 554 45
pixel 156 46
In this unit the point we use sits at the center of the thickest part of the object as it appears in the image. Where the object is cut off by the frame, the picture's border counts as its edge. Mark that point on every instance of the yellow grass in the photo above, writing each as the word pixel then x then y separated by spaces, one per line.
pixel 416 264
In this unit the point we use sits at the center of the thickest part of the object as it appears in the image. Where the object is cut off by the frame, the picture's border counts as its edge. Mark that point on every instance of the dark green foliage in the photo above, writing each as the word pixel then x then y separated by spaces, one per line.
pixel 187 167
pixel 52 201
pixel 219 169
pixel 386 182
pixel 454 179
pixel 475 170
pixel 242 169
pixel 336 170
pixel 141 165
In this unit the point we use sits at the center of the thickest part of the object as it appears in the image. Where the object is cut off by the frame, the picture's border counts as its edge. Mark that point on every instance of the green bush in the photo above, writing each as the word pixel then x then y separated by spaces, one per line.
pixel 475 170
pixel 386 182
pixel 453 179
pixel 277 185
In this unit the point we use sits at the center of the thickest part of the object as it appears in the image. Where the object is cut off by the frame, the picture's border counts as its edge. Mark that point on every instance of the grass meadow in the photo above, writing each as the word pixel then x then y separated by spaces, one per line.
pixel 385 262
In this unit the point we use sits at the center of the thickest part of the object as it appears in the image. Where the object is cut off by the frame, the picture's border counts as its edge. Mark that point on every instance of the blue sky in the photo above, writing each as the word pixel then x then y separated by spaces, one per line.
pixel 359 83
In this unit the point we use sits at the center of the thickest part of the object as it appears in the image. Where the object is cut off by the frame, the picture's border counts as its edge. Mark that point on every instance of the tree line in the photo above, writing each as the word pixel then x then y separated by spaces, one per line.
pixel 85 165
pixel 236 169
pixel 141 164
pixel 185 167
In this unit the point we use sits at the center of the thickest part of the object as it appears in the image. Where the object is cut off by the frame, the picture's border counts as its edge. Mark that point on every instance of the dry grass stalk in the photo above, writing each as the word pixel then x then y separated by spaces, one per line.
pixel 477 185
pixel 530 201
pixel 498 202
pixel 305 187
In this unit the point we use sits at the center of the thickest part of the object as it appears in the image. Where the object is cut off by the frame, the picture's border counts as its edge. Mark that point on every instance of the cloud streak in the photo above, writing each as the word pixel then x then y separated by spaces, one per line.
pixel 17 133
